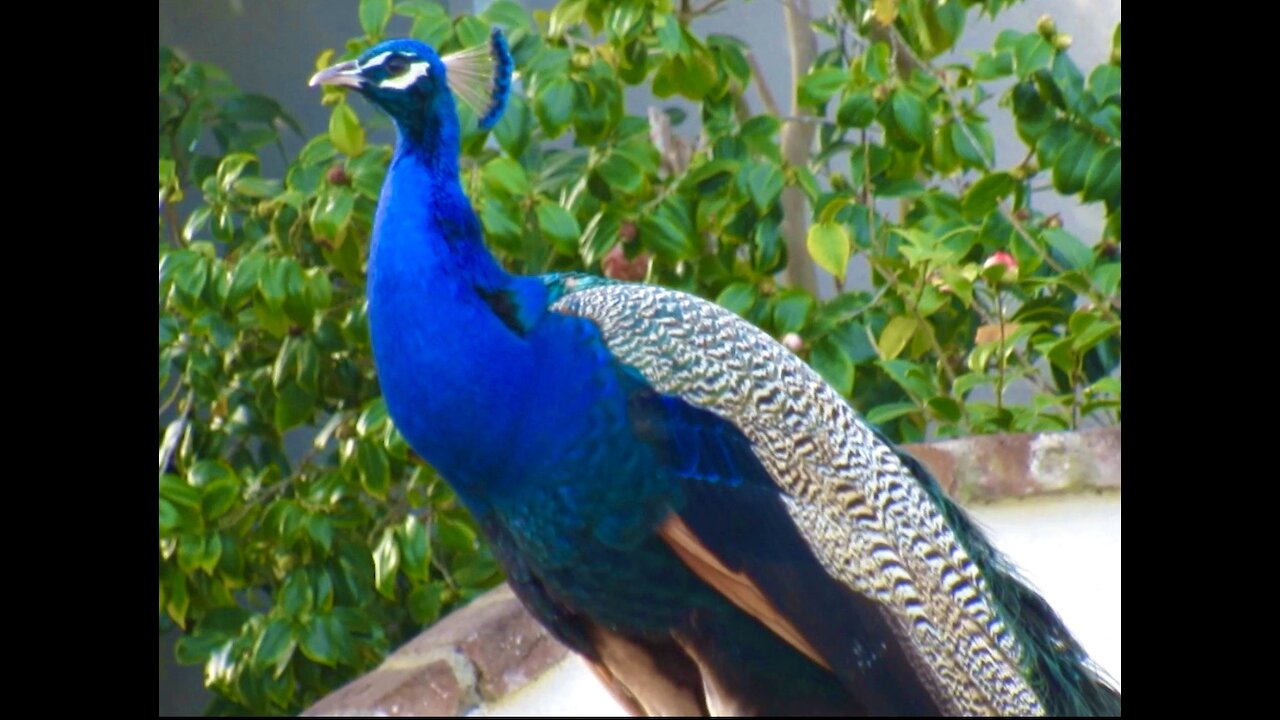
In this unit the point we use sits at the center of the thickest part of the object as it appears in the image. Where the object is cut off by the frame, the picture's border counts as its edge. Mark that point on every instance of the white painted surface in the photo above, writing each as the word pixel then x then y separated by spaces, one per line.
pixel 1069 548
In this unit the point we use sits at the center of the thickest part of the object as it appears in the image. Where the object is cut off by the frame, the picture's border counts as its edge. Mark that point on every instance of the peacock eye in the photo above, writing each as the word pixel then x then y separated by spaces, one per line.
pixel 396 65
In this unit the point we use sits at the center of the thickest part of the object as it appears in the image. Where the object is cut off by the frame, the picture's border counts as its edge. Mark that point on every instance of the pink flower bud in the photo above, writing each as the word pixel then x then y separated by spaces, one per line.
pixel 793 342
pixel 1001 257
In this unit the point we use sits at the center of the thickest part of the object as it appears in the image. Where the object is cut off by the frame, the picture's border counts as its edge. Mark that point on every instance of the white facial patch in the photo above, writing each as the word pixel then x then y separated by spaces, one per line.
pixel 409 77
pixel 375 61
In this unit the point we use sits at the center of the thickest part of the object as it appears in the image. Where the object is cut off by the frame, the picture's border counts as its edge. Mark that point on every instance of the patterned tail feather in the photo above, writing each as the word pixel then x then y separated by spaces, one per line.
pixel 481 77
pixel 1063 675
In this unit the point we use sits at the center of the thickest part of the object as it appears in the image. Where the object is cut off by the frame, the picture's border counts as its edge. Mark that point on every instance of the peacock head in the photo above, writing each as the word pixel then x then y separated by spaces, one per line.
pixel 415 85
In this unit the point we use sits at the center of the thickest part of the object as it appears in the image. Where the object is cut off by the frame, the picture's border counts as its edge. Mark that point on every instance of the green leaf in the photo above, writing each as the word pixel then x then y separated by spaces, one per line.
pixel 565 14
pixel 559 226
pixel 1072 166
pixel 374 15
pixel 895 335
pixel 911 116
pixel 274 647
pixel 319 289
pixel 968 381
pixel 945 408
pixel 621 173
pixel 1108 120
pixel 415 551
pixel 508 14
pixel 943 23
pixel 829 246
pixel 833 364
pixel 767 245
pixel 207 472
pixel 599 236
pixel 386 562
pixel 432 27
pixel 983 196
pixel 791 311
pixel 331 213
pixel 168 170
pixel 857 110
pixel 875 61
pixel 375 471
pixel 1106 277
pixel 231 167
pixel 760 127
pixel 169 517
pixel 819 85
pixel 256 187
pixel 294 406
pixel 692 76
pixel 191 275
pixel 472 31
pixel 884 413
pixel 994 65
pixel 853 337
pixel 506 175
pixel 553 105
pixel 178 492
pixel 317 642
pixel 373 418
pixel 738 297
pixel 1077 254
pixel 475 570
pixel 970 154
pixel 191 552
pixel 196 649
pixel 709 177
pixel 515 126
pixel 806 181
pixel 218 498
pixel 669 231
pixel 320 528
pixel 1103 180
pixel 1031 54
pixel 178 600
pixel 455 535
pixel 345 130
pixel 1069 81
pixel 764 184
pixel 910 376
pixel 502 225
pixel 1095 333
pixel 1104 82
pixel 196 222
pixel 425 601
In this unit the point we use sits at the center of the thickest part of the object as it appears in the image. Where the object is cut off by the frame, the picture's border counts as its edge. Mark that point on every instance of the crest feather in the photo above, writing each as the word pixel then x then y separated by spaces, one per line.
pixel 481 77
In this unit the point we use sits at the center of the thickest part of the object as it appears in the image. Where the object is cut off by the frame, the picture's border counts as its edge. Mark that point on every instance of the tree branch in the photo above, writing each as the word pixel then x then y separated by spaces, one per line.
pixel 797 139
pixel 766 96
pixel 692 12
pixel 904 58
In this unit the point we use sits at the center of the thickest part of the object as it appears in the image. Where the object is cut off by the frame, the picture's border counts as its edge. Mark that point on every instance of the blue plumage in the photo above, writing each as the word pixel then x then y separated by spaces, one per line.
pixel 503 69
pixel 644 524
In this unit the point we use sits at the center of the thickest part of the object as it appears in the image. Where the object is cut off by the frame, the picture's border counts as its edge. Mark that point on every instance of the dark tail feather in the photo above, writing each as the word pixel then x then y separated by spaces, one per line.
pixel 1060 671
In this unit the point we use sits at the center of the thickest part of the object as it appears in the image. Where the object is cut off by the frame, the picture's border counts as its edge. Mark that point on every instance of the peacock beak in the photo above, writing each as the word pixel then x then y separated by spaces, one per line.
pixel 346 74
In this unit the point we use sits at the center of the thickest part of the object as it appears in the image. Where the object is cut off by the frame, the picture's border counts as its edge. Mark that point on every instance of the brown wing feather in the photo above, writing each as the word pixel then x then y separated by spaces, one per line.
pixel 735 586
pixel 647 678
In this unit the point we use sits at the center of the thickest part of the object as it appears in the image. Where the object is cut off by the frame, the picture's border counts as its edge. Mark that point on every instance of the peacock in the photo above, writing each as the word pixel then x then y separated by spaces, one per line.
pixel 677 497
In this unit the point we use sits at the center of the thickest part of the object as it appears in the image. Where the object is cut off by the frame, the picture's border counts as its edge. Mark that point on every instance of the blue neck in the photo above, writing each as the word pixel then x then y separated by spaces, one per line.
pixel 445 360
